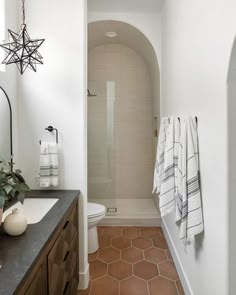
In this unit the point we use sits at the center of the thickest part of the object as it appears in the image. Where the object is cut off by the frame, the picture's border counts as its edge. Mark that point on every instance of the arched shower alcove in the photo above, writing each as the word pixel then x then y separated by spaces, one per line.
pixel 232 168
pixel 123 119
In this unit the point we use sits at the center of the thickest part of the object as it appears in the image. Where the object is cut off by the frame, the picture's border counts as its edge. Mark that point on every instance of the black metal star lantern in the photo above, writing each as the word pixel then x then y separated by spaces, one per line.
pixel 23 51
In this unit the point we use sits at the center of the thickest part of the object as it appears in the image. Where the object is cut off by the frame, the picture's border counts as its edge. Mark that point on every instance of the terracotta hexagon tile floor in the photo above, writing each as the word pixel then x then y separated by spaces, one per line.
pixel 133 286
pixel 132 261
pixel 121 243
pixel 109 254
pixel 142 243
pixel 120 270
pixel 145 270
pixel 155 255
pixel 132 255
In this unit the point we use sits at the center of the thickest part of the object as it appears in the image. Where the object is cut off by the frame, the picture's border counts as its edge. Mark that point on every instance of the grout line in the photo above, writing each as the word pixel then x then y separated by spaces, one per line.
pixel 177 288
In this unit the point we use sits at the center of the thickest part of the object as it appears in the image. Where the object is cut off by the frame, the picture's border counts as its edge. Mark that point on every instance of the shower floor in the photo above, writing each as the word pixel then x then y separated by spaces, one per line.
pixel 130 212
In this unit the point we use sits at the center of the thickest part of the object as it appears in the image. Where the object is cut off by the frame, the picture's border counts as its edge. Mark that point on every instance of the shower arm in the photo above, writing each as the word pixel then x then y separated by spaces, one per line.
pixel 89 93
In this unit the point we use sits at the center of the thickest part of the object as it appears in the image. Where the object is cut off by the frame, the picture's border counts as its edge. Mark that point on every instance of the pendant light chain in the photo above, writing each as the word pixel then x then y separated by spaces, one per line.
pixel 23 11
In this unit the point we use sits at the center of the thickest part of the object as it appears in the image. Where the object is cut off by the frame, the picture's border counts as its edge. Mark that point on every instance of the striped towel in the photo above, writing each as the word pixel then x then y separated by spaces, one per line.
pixel 189 206
pixel 159 164
pixel 48 164
pixel 176 152
pixel 167 193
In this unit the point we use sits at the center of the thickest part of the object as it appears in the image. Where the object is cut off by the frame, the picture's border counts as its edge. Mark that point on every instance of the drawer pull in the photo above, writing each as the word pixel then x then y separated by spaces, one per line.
pixel 66 287
pixel 65 226
pixel 67 253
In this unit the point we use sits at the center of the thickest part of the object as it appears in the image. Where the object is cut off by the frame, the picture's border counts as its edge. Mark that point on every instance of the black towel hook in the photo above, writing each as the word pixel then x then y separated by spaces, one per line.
pixel 50 129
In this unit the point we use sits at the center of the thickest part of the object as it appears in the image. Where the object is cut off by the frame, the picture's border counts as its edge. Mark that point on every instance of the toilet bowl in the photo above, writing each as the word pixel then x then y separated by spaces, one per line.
pixel 96 213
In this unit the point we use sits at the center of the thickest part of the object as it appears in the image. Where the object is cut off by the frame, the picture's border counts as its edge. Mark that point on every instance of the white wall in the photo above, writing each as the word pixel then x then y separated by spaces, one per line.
pixel 231 168
pixel 196 45
pixel 8 78
pixel 56 95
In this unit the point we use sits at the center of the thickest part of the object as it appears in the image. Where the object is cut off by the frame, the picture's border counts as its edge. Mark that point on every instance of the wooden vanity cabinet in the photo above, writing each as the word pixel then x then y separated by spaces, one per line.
pixel 56 272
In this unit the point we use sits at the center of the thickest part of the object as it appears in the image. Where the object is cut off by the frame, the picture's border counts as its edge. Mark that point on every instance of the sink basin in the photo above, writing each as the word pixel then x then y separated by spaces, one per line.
pixel 33 208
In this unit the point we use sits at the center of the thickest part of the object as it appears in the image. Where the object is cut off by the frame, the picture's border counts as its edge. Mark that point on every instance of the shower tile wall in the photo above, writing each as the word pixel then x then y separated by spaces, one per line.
pixel 122 166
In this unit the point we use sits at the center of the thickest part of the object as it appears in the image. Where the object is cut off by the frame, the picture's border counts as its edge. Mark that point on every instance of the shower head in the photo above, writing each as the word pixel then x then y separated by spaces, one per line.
pixel 89 94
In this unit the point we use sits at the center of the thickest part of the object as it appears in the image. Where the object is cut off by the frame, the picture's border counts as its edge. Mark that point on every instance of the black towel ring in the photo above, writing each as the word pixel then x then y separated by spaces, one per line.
pixel 50 129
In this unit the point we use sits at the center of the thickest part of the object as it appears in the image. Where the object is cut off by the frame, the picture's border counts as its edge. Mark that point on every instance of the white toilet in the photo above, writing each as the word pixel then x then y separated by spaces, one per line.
pixel 96 213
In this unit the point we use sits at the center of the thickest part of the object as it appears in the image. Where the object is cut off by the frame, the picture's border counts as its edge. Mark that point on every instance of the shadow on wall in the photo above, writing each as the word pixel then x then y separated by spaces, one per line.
pixel 231 83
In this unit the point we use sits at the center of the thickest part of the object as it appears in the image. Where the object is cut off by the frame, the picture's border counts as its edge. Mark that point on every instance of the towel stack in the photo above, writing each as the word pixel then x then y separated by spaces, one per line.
pixel 48 164
pixel 177 176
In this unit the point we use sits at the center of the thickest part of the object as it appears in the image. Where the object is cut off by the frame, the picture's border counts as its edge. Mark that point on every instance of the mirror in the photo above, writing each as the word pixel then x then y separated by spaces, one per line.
pixel 6 145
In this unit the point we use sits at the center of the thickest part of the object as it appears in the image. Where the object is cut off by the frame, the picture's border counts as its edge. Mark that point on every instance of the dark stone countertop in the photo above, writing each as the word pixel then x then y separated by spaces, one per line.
pixel 19 254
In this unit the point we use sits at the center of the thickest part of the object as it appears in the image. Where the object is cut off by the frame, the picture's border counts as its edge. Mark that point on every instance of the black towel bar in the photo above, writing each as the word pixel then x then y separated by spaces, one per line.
pixel 50 129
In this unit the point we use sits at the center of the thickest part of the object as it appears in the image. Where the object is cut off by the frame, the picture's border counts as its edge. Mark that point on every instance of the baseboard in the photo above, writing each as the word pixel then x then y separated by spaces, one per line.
pixel 179 267
pixel 129 221
pixel 84 279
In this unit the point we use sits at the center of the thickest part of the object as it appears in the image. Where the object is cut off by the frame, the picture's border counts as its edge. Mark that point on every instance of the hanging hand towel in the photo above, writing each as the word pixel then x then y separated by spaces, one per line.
pixel 176 151
pixel 189 205
pixel 160 155
pixel 167 192
pixel 48 164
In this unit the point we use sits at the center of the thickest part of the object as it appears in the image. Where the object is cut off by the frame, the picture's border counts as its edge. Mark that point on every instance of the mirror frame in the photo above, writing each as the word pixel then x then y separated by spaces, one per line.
pixel 11 139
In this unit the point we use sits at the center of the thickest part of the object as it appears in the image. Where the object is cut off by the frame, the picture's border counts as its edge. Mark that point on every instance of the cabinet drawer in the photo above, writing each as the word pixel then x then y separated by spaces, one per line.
pixel 37 285
pixel 61 261
pixel 71 285
pixel 70 227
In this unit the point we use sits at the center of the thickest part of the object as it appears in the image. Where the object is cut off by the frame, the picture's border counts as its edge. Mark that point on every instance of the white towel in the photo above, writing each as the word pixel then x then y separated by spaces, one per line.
pixel 48 164
pixel 167 191
pixel 159 164
pixel 176 152
pixel 189 206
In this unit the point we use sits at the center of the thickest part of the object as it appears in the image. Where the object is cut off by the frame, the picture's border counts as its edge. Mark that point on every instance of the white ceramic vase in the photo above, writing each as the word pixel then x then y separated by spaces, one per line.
pixel 15 223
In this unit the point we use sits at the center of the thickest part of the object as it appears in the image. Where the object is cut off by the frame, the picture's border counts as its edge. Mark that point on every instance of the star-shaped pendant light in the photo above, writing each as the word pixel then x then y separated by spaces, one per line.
pixel 22 50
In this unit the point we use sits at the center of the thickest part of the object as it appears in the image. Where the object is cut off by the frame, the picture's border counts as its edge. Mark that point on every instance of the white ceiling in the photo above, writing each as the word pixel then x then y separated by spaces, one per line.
pixel 147 6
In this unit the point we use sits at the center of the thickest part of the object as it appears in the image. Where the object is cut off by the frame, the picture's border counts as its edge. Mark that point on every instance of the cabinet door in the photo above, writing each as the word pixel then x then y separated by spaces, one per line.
pixel 37 286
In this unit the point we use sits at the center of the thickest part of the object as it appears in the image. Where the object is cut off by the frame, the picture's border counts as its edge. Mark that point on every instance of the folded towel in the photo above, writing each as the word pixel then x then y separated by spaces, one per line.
pixel 159 164
pixel 48 164
pixel 189 205
pixel 167 191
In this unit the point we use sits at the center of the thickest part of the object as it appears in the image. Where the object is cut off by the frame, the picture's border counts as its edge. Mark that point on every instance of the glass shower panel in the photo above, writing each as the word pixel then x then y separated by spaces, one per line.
pixel 101 143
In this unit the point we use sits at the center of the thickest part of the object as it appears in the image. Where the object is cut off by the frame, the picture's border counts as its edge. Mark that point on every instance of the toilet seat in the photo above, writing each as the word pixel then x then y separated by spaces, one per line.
pixel 95 210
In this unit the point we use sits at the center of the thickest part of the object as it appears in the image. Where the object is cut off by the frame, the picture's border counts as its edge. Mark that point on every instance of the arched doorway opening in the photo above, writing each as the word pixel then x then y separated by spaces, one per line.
pixel 123 122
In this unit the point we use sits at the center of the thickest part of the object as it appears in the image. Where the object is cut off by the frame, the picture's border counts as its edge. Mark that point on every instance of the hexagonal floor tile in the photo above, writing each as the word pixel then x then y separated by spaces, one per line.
pixel 97 269
pixel 155 255
pixel 132 255
pixel 109 254
pixel 92 256
pixel 145 270
pixel 104 241
pixel 133 286
pixel 142 243
pixel 121 243
pixel 105 285
pixel 161 286
pixel 168 270
pixel 120 270
pixel 112 232
pixel 151 232
pixel 169 256
pixel 160 242
pixel 131 232
pixel 180 287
